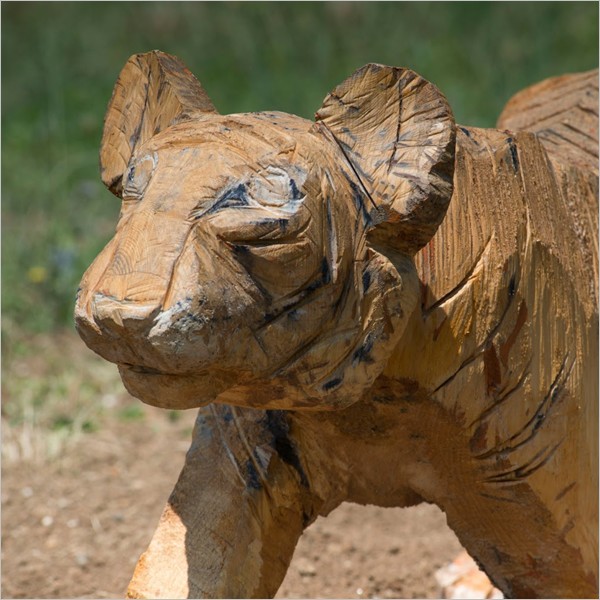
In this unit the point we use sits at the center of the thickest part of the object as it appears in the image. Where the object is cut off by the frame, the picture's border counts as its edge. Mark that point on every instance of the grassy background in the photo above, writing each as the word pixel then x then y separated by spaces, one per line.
pixel 60 61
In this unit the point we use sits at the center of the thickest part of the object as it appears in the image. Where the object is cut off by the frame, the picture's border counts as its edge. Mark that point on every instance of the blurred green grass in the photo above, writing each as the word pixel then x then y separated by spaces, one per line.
pixel 58 392
pixel 60 61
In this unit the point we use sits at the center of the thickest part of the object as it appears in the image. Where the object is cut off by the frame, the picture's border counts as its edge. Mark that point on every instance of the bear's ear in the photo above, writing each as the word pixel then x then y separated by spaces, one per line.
pixel 397 132
pixel 153 91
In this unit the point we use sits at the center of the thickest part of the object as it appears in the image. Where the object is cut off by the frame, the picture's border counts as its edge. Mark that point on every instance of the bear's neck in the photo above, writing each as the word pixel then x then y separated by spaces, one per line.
pixel 472 270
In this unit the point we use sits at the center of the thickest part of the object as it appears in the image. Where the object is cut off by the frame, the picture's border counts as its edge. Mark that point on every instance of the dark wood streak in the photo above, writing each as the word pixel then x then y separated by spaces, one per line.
pixel 508 344
pixel 391 161
pixel 514 154
pixel 491 368
pixel 478 351
pixel 535 422
pixel 505 396
pixel 278 424
pixel 566 490
pixel 531 466
pixel 499 498
pixel 232 198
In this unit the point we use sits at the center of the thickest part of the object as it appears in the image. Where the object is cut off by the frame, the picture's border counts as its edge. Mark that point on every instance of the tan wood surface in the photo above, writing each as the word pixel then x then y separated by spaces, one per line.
pixel 378 307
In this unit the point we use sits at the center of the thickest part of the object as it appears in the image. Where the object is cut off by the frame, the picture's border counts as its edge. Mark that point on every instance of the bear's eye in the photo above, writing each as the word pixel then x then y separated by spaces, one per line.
pixel 272 190
pixel 276 188
pixel 233 198
pixel 137 177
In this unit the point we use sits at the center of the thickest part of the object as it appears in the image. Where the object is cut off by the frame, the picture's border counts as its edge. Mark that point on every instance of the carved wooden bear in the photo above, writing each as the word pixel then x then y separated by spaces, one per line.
pixel 378 307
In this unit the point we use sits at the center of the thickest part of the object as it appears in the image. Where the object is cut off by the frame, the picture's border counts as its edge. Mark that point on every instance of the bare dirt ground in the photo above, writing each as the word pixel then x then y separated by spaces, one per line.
pixel 73 526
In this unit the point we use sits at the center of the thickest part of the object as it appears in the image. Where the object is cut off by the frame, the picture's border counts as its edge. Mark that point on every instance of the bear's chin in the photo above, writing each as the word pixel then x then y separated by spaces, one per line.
pixel 173 391
pixel 180 391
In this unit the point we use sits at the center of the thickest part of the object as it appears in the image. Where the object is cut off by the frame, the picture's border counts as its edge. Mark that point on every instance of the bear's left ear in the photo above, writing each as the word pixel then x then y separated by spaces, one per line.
pixel 397 132
pixel 154 91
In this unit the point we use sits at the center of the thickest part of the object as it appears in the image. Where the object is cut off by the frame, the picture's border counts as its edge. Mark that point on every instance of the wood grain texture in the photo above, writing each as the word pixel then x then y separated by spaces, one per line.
pixel 563 112
pixel 514 345
pixel 379 307
pixel 400 143
pixel 153 91
pixel 205 546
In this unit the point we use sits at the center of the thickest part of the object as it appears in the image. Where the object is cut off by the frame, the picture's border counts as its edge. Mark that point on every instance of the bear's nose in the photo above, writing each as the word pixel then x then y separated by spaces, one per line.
pixel 112 314
pixel 143 287
pixel 113 328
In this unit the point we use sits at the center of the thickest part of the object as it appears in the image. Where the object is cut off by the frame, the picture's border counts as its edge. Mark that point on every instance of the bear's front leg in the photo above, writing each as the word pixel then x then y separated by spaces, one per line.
pixel 233 520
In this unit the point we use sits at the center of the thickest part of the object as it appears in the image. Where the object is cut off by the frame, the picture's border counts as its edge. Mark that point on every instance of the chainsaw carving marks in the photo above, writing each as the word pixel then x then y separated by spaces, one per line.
pixel 563 112
pixel 235 515
pixel 351 332
pixel 512 339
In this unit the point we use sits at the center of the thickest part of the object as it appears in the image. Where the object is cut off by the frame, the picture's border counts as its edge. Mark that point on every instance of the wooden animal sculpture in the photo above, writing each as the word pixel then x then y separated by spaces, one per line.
pixel 376 307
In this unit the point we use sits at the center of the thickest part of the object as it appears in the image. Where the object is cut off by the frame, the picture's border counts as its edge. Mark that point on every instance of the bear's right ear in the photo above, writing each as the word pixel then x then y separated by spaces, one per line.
pixel 397 132
pixel 153 92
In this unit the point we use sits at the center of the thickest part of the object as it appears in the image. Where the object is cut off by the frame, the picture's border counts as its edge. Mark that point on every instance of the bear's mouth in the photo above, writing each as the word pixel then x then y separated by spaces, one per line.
pixel 180 391
pixel 143 369
pixel 176 391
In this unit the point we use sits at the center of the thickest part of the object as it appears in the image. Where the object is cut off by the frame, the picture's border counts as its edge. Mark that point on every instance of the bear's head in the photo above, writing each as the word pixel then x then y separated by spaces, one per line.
pixel 262 259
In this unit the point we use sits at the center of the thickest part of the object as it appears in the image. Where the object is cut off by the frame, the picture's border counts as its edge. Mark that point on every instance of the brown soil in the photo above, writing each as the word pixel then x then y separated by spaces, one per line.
pixel 74 526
